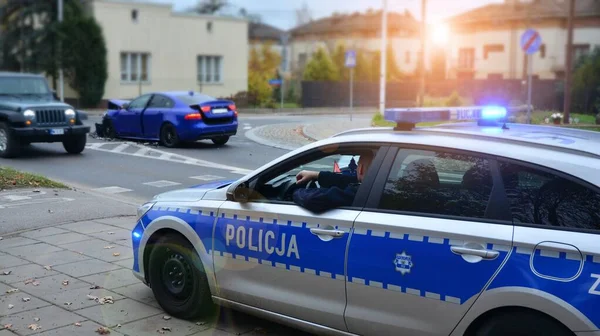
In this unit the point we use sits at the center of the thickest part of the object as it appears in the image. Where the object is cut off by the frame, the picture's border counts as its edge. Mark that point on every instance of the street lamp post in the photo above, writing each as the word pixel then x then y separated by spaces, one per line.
pixel 383 58
pixel 60 69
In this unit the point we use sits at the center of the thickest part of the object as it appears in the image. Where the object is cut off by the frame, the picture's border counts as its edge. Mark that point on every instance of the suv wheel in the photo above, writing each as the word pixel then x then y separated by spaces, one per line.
pixel 220 141
pixel 8 144
pixel 75 144
pixel 178 279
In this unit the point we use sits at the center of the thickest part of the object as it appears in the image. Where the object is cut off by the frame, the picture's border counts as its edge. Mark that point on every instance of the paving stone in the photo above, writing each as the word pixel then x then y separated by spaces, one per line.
pixel 4 332
pixel 78 298
pixel 65 238
pixel 138 292
pixel 92 248
pixel 112 279
pixel 57 258
pixel 86 267
pixel 120 312
pixel 16 300
pixel 86 328
pixel 50 318
pixel 236 322
pixel 43 232
pixel 116 236
pixel 4 288
pixel 126 223
pixel 150 325
pixel 8 243
pixel 7 261
pixel 34 249
pixel 98 251
pixel 24 272
pixel 127 263
pixel 52 284
pixel 87 227
pixel 213 332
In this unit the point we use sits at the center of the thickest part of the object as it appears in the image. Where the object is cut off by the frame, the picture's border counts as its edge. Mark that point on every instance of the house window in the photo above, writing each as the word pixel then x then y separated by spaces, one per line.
pixel 135 67
pixel 210 69
pixel 492 48
pixel 466 58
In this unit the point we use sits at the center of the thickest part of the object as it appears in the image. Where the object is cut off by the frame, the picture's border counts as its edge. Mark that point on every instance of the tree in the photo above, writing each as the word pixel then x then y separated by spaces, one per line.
pixel 586 83
pixel 262 66
pixel 339 59
pixel 303 15
pixel 252 17
pixel 321 67
pixel 84 58
pixel 209 6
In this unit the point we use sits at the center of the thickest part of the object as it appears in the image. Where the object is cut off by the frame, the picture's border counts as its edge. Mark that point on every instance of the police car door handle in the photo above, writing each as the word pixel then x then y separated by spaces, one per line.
pixel 485 254
pixel 326 232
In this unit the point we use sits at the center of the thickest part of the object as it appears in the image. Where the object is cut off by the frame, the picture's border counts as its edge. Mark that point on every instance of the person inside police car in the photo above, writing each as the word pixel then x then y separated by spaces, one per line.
pixel 335 190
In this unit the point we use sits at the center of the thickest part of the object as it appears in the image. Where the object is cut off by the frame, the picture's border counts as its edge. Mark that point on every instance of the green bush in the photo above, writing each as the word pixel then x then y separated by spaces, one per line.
pixel 454 100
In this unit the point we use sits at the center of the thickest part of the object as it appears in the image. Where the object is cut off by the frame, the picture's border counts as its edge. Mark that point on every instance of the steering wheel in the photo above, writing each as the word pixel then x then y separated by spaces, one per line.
pixel 311 182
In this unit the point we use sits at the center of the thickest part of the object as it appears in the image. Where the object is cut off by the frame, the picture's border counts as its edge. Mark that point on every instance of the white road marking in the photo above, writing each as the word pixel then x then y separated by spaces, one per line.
pixel 166 156
pixel 162 184
pixel 16 197
pixel 247 127
pixel 112 190
pixel 38 201
pixel 207 177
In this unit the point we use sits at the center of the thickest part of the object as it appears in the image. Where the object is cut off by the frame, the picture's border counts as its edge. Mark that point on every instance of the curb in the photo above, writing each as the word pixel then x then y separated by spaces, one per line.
pixel 10 234
pixel 308 134
pixel 252 136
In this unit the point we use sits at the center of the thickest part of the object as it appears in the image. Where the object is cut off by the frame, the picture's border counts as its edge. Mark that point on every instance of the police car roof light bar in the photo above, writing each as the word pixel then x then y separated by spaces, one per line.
pixel 407 118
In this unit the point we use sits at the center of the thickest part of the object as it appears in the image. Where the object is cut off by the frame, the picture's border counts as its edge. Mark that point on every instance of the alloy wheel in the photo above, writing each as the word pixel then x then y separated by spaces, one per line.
pixel 3 140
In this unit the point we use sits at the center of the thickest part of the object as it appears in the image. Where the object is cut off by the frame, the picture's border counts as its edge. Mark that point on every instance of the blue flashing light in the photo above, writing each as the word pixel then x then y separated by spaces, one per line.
pixel 137 235
pixel 410 116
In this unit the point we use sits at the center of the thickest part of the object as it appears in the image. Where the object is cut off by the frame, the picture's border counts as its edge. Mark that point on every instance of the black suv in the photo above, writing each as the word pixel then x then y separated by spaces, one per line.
pixel 31 112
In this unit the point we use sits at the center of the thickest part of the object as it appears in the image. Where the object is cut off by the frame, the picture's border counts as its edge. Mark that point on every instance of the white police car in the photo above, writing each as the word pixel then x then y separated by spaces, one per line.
pixel 479 228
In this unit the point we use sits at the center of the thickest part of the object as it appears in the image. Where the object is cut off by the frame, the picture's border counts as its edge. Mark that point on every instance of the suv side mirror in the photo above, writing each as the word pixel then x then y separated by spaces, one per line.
pixel 125 106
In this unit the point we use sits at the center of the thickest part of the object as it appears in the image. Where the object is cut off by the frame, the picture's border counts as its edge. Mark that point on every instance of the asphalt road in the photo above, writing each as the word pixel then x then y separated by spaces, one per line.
pixel 136 171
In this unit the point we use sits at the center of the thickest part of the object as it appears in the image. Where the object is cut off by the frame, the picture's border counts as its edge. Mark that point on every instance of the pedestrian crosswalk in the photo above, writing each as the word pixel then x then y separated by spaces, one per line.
pixel 160 184
pixel 140 150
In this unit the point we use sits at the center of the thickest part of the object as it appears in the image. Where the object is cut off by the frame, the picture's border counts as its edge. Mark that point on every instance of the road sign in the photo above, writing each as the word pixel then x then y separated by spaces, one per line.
pixel 275 81
pixel 531 41
pixel 350 61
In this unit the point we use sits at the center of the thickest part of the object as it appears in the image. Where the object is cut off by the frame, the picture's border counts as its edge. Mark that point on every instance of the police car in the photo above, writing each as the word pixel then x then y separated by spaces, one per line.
pixel 473 228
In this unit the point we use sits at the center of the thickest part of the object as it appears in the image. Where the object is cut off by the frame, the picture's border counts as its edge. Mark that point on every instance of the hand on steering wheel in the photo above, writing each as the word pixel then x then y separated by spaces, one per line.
pixel 310 182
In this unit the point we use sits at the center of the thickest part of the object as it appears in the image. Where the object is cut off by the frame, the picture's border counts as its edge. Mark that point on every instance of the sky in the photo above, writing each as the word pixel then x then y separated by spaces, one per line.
pixel 281 13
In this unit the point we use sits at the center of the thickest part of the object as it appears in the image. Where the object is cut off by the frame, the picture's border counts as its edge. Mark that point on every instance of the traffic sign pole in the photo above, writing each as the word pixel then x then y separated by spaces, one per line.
pixel 351 90
pixel 530 43
pixel 350 63
pixel 530 70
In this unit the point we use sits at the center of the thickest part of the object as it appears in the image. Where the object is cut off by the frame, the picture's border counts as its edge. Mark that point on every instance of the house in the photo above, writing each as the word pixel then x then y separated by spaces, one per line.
pixel 358 31
pixel 485 42
pixel 260 34
pixel 152 48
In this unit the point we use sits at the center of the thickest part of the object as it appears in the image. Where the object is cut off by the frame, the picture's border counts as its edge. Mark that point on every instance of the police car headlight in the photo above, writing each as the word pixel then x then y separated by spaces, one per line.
pixel 141 211
pixel 29 114
pixel 69 113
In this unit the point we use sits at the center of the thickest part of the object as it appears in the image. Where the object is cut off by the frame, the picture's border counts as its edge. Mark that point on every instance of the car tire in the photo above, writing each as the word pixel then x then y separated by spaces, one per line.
pixel 9 145
pixel 521 323
pixel 109 130
pixel 168 136
pixel 75 144
pixel 220 141
pixel 178 279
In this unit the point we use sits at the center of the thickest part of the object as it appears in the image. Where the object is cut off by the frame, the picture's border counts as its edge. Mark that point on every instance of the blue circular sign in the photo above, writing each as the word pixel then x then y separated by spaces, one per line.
pixel 531 41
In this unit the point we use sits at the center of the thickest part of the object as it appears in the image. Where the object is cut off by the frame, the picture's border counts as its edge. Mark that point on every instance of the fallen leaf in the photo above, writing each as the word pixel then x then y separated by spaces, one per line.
pixel 77 324
pixel 166 317
pixel 35 283
pixel 36 191
pixel 6 272
pixel 95 287
pixel 0 238
pixel 106 299
pixel 116 254
pixel 166 328
pixel 119 325
pixel 10 306
pixel 103 331
pixel 160 331
pixel 50 211
pixel 28 281
pixel 8 326
pixel 36 319
pixel 48 268
pixel 91 297
pixel 68 303
pixel 110 233
pixel 34 327
pixel 200 323
pixel 108 247
pixel 12 290
pixel 65 282
pixel 26 299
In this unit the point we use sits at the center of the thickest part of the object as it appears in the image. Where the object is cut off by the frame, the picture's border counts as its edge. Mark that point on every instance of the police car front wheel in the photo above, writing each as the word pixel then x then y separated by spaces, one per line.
pixel 521 322
pixel 178 279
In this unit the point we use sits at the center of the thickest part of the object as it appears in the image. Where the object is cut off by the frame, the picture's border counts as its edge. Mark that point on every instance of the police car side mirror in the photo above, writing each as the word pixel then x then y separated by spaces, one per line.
pixel 241 193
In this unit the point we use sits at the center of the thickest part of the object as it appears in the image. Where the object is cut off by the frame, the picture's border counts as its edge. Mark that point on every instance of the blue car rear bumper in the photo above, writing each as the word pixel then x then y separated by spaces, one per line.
pixel 201 131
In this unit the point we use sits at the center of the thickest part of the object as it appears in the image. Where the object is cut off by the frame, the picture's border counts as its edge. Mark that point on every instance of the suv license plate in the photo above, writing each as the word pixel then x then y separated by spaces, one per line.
pixel 57 131
pixel 219 110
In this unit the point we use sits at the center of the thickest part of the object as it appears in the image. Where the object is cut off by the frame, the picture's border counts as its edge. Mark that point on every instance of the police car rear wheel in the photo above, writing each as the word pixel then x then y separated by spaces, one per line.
pixel 521 323
pixel 178 279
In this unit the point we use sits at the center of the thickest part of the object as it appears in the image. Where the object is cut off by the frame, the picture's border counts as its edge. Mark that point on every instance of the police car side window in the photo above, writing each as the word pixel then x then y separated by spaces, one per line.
pixel 439 183
pixel 539 197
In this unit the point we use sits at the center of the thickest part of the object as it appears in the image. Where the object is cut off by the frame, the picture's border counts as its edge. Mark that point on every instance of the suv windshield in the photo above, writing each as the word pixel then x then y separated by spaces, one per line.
pixel 23 86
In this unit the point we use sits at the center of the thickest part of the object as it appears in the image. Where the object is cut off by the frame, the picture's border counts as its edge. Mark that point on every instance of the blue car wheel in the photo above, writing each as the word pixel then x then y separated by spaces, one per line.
pixel 168 136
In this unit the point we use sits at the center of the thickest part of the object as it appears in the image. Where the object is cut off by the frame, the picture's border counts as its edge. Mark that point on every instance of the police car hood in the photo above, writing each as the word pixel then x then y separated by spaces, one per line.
pixel 191 194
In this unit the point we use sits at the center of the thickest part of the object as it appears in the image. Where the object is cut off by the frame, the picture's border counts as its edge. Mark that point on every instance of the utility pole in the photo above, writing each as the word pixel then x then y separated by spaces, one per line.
pixel 569 62
pixel 423 37
pixel 60 67
pixel 382 78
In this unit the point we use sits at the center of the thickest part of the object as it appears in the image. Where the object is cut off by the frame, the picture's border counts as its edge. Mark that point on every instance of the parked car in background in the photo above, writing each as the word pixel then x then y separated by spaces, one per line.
pixel 30 112
pixel 171 117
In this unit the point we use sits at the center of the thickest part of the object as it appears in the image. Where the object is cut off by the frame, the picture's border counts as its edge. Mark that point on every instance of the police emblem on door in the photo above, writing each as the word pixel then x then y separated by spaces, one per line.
pixel 403 263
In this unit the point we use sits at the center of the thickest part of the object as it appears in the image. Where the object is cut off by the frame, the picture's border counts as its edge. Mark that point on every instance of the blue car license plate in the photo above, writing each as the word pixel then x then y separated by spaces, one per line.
pixel 57 131
pixel 219 110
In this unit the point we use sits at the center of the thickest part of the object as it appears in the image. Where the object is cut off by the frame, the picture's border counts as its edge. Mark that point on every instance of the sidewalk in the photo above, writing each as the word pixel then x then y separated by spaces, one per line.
pixel 74 278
